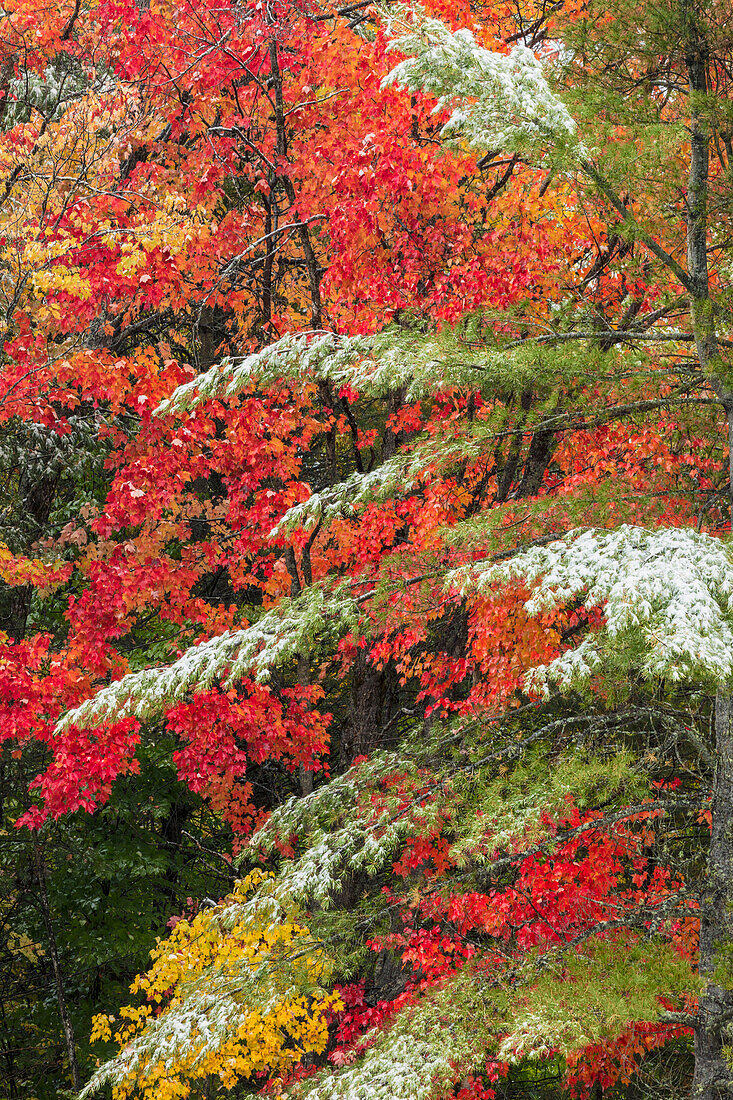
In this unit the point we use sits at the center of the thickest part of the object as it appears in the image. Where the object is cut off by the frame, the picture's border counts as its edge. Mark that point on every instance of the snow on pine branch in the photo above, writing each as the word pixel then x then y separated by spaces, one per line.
pixel 304 624
pixel 496 99
pixel 344 496
pixel 306 356
pixel 667 597
pixel 397 476
pixel 401 1067
pixel 430 454
pixel 338 839
pixel 375 365
pixel 430 1046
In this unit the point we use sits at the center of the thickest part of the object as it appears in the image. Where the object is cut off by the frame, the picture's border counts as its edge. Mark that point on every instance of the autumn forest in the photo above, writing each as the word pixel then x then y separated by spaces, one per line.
pixel 366 573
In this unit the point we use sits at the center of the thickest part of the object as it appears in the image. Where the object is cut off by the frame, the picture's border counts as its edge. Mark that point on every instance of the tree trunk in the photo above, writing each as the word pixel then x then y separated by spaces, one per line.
pixel 713 1079
pixel 363 733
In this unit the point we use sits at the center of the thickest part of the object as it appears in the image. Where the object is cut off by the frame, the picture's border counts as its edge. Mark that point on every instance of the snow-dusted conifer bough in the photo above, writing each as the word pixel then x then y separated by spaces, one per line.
pixel 300 625
pixel 666 595
pixel 497 100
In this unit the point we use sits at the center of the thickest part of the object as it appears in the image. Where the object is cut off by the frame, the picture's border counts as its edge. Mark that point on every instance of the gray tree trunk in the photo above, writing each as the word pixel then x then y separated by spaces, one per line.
pixel 713 1079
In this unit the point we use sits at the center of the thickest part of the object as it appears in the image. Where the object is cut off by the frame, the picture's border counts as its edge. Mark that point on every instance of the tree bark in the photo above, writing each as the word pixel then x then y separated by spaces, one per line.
pixel 713 1079
pixel 363 733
